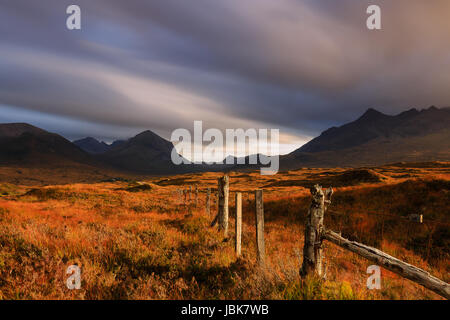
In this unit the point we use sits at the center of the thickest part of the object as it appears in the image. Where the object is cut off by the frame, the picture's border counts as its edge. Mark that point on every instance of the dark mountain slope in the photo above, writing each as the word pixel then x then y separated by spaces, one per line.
pixel 377 138
pixel 147 153
pixel 14 130
pixel 91 145
pixel 117 143
pixel 24 143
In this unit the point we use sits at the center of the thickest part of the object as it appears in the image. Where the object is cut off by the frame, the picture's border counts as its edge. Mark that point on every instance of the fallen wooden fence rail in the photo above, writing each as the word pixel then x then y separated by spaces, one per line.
pixel 395 265
pixel 315 233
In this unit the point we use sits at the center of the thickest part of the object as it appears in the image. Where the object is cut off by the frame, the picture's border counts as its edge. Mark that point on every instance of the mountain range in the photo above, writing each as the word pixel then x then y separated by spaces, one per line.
pixel 372 139
pixel 93 146
pixel 376 138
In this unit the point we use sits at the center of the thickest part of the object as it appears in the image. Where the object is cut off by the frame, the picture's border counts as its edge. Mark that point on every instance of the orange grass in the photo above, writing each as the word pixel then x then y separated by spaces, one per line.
pixel 148 245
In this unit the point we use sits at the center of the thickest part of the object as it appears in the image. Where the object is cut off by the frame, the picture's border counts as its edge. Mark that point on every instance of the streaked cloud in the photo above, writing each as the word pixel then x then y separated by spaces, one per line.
pixel 297 65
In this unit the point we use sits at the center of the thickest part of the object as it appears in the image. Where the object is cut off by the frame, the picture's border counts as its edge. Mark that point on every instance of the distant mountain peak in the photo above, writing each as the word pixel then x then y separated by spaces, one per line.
pixel 117 143
pixel 19 128
pixel 24 143
pixel 409 113
pixel 150 139
pixel 147 134
pixel 87 140
pixel 145 152
pixel 92 145
pixel 372 113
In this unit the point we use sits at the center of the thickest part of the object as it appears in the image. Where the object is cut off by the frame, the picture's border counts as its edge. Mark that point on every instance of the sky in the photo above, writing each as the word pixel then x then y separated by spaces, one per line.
pixel 300 66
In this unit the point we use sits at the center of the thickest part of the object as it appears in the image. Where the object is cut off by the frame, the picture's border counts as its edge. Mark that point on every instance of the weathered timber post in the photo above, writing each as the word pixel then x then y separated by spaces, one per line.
pixel 208 201
pixel 259 213
pixel 238 223
pixel 196 195
pixel 312 249
pixel 185 196
pixel 216 199
pixel 190 193
pixel 223 191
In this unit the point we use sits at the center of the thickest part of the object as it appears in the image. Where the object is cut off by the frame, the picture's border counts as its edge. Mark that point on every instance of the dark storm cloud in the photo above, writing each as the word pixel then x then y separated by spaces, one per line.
pixel 301 66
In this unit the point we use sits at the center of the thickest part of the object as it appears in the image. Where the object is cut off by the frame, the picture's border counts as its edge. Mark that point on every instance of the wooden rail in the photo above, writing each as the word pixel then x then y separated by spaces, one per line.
pixel 388 262
pixel 315 233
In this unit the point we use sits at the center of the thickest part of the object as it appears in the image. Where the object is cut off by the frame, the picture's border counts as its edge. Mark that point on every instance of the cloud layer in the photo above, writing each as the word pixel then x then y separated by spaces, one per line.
pixel 300 66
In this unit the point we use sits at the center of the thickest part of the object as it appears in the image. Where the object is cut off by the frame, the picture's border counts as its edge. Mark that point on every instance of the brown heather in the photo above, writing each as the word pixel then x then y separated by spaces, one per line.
pixel 137 241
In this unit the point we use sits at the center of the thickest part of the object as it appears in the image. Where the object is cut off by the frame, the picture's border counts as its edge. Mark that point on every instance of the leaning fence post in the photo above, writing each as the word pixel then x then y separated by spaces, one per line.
pixel 260 246
pixel 208 201
pixel 238 224
pixel 223 186
pixel 312 249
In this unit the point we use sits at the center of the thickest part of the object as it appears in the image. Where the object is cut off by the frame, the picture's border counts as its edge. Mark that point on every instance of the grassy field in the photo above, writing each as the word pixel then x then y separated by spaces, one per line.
pixel 138 240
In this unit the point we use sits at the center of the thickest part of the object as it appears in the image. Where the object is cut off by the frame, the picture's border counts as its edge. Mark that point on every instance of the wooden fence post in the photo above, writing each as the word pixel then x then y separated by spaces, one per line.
pixel 208 201
pixel 312 249
pixel 238 223
pixel 196 195
pixel 259 213
pixel 223 191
